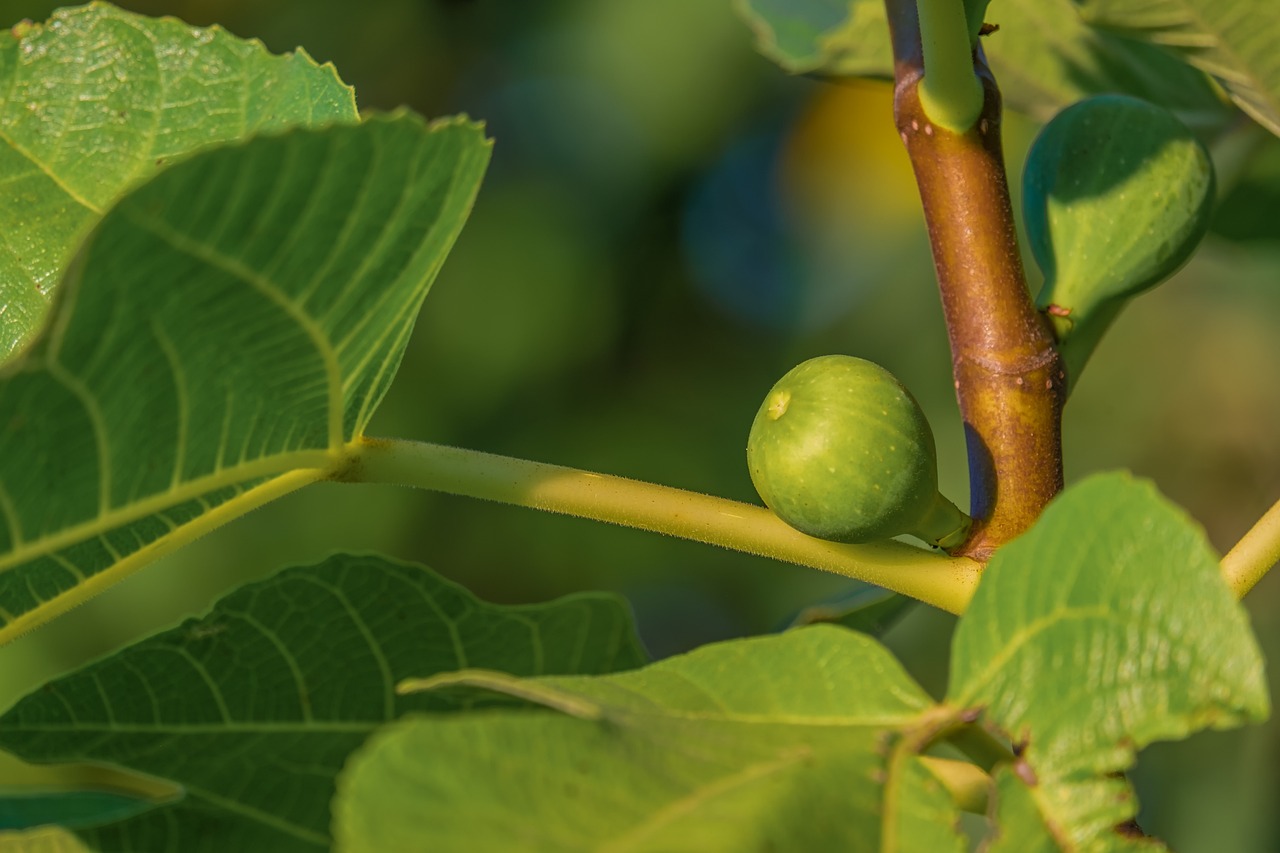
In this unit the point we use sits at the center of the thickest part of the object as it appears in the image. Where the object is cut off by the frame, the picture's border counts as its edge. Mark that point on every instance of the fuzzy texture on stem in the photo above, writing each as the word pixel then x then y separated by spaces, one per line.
pixel 930 576
pixel 1009 377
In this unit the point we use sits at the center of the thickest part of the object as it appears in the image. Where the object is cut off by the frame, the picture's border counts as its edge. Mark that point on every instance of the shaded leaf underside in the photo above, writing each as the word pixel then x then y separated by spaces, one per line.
pixel 224 333
pixel 1234 40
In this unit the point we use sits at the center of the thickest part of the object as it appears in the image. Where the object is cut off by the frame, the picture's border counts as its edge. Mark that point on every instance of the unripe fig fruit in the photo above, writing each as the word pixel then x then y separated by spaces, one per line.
pixel 841 451
pixel 1116 195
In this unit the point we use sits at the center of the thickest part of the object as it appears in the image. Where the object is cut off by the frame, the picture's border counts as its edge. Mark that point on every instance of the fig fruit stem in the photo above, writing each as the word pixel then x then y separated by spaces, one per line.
pixel 933 577
pixel 1010 380
pixel 946 525
pixel 1255 554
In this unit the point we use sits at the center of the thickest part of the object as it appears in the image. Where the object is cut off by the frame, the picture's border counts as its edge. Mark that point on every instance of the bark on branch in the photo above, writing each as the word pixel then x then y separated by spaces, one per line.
pixel 1009 377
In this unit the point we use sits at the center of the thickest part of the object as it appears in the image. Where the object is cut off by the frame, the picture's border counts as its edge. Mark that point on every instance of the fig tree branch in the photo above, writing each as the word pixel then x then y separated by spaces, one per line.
pixel 1009 377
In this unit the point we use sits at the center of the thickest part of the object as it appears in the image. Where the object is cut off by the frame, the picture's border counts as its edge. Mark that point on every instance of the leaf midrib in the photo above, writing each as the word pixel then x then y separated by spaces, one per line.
pixel 319 460
pixel 296 311
pixel 1021 638
pixel 683 806
pixel 49 173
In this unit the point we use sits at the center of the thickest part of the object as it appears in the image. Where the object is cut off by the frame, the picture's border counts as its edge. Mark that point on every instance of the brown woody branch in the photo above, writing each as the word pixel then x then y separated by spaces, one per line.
pixel 1009 377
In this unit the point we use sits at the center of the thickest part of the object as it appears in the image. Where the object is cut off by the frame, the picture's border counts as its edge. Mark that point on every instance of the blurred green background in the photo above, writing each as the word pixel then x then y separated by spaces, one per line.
pixel 669 224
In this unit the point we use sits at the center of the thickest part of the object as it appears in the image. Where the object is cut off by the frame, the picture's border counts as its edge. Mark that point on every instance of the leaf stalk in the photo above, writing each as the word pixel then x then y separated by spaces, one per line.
pixel 933 577
pixel 950 92
pixel 1255 554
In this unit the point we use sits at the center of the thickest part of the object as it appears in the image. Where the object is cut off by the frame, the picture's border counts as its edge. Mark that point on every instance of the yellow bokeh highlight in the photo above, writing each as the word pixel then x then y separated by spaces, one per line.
pixel 844 161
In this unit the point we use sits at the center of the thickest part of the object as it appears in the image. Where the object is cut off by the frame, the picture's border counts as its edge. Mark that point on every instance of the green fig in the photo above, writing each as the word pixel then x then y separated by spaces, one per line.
pixel 1116 195
pixel 840 450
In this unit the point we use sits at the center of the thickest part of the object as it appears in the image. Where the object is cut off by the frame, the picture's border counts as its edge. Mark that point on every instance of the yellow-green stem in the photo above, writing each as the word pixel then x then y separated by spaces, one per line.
pixel 1255 554
pixel 950 92
pixel 932 577
pixel 94 585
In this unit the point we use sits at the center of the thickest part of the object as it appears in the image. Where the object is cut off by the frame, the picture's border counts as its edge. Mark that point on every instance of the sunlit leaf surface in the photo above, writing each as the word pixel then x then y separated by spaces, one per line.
pixel 777 743
pixel 1103 629
pixel 1106 627
pixel 98 99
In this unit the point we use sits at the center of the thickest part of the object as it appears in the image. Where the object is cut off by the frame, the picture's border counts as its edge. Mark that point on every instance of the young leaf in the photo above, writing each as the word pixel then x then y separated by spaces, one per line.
pixel 95 101
pixel 799 741
pixel 1104 628
pixel 254 708
pixel 1234 40
pixel 225 332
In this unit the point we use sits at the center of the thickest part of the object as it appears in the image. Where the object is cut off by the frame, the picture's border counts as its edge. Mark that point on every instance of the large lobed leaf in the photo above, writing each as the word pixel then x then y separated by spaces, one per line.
pixel 224 334
pixel 1234 40
pixel 775 743
pixel 1044 55
pixel 254 708
pixel 96 100
pixel 1106 627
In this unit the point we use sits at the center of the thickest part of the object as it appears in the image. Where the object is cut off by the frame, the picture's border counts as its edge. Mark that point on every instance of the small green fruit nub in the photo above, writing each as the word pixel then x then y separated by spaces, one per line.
pixel 1117 193
pixel 840 450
